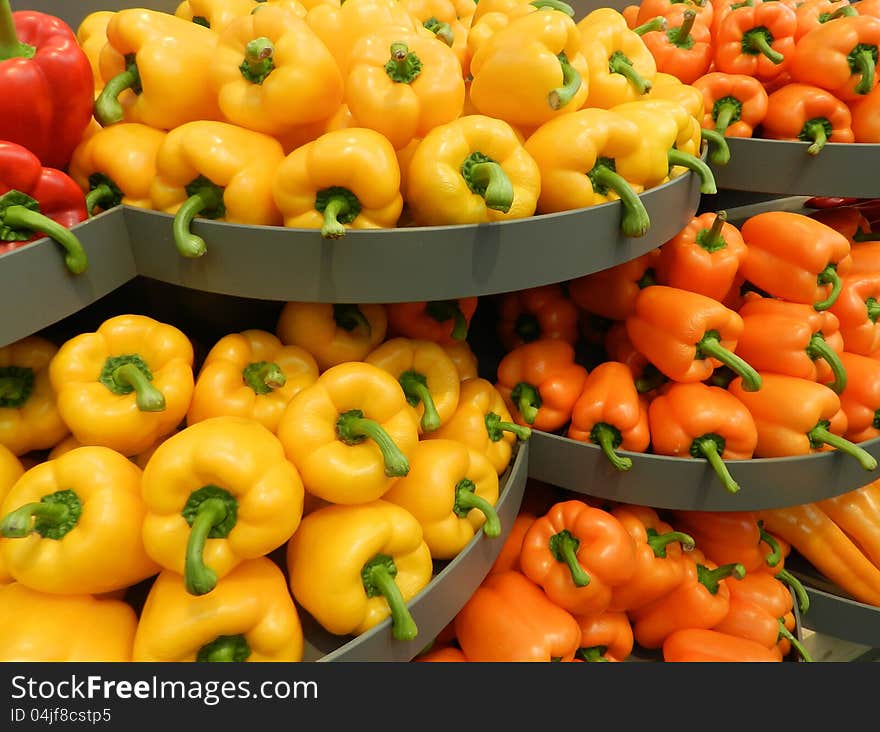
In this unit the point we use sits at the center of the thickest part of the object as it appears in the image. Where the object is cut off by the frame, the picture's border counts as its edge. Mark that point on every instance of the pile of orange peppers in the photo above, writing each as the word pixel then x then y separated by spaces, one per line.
pixel 580 580
pixel 789 70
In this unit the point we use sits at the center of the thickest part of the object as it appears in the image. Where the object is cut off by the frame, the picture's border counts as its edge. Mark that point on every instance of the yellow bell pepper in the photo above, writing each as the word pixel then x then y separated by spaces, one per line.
pixel 250 374
pixel 451 490
pixel 73 525
pixel 154 68
pixel 531 71
pixel 463 358
pixel 345 178
pixel 29 415
pixel 602 161
pixel 333 334
pixel 38 627
pixel 621 66
pixel 299 136
pixel 217 493
pixel 667 86
pixel 403 85
pixel 350 434
pixel 117 165
pixel 660 130
pixel 351 567
pixel 471 171
pixel 215 170
pixel 91 34
pixel 448 20
pixel 125 385
pixel 426 373
pixel 514 9
pixel 71 443
pixel 250 616
pixel 214 14
pixel 483 423
pixel 272 73
pixel 11 470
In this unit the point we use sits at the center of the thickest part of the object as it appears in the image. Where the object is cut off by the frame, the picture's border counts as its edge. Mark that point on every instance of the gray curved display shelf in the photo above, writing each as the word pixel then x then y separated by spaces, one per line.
pixel 783 167
pixel 435 606
pixel 689 484
pixel 36 289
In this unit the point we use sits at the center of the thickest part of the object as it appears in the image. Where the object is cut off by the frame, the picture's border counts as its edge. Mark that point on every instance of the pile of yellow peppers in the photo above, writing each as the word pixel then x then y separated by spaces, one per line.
pixel 332 115
pixel 353 451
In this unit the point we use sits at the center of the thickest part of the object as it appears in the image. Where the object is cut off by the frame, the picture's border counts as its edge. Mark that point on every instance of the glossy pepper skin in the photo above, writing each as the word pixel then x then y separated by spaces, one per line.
pixel 860 401
pixel 215 170
pixel 11 469
pixel 464 359
pixel 353 566
pixel 756 40
pixel 865 117
pixel 840 57
pixel 124 385
pixel 605 637
pixel 780 262
pixel 271 72
pixel 153 68
pixel 611 414
pixel 39 627
pixel 618 347
pixel 451 490
pixel 350 433
pixel 47 85
pixel 734 103
pixel 684 47
pixel 72 525
pixel 91 34
pixel 667 86
pixel 585 172
pixel 483 423
pixel 660 558
pixel 332 334
pixel 29 416
pixel 403 85
pixel 214 14
pixel 578 554
pixel 857 310
pixel 536 312
pixel 687 335
pixel 428 377
pixel 36 201
pixel 611 293
pixel 471 171
pixel 346 178
pixel 797 417
pixel 650 9
pixel 700 421
pixel 855 513
pixel 807 113
pixel 508 557
pixel 443 321
pixel 249 617
pixel 751 621
pixel 250 374
pixel 117 165
pixel 702 645
pixel 813 13
pixel 540 383
pixel 217 493
pixel 509 618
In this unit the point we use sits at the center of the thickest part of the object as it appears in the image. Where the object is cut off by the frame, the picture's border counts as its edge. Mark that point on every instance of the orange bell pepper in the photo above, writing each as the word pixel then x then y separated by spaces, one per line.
pixel 866 117
pixel 538 312
pixel 756 39
pixel 858 309
pixel 578 554
pixel 703 645
pixel 441 321
pixel 856 513
pixel 508 557
pixel 851 222
pixel 509 619
pixel 860 401
pixel 684 48
pixel 659 560
pixel 750 621
pixel 798 417
pixel 605 637
pixel 618 347
pixel 839 57
pixel 704 257
pixel 813 13
pixel 868 7
pixel 540 383
pixel 649 9
pixel 808 113
pixel 731 536
pixel 447 654
pixel 734 103
pixel 612 292
pixel 687 335
pixel 821 321
pixel 795 258
pixel 701 421
pixel 610 413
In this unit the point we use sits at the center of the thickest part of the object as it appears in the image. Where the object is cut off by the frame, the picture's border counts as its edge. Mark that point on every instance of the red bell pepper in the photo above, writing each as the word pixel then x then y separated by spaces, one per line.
pixel 37 201
pixel 46 85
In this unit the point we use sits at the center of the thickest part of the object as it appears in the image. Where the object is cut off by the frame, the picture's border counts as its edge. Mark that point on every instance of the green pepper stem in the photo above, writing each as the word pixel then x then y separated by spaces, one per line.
pixel 711 578
pixel 819 348
pixel 709 449
pixel 527 328
pixel 263 376
pixel 97 196
pixel 188 244
pixel 620 64
pixel 679 35
pixel 332 229
pixel 606 438
pixel 528 401
pixel 352 427
pixel 149 398
pixel 258 61
pixel 108 110
pixel 803 598
pixel 571 83
pixel 711 239
pixel 659 542
pixel 554 5
pixel 496 428
pixel 443 31
pixel 225 649
pixel 498 188
pixel 775 555
pixel 694 164
pixel 655 24
pixel 593 654
pixel 719 150
pixel 199 578
pixel 758 41
pixel 348 317
pixel 727 112
pixel 650 379
pixel 10 46
pixel 634 221
pixel 443 310
pixel 816 132
pixel 864 62
pixel 795 643
pixel 829 276
pixel 820 434
pixel 415 390
pixel 75 257
pixel 873 308
pixel 861 236
pixel 710 346
pixel 403 627
pixel 564 548
pixel 466 500
pixel 18 523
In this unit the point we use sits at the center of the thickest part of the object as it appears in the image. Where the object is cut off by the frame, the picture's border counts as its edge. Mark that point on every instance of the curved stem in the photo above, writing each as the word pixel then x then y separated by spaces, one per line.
pixel 620 64
pixel 607 438
pixel 466 500
pixel 819 348
pixel 803 598
pixel 498 188
pixel 416 390
pixel 554 5
pixel 198 577
pixel 709 449
pixel 659 542
pixel 816 132
pixel 820 434
pixel 378 578
pixel 571 83
pixel 148 397
pixel 711 239
pixel 353 427
pixel 719 150
pixel 443 310
pixel 711 578
pixel 263 376
pixel 655 24
pixel 863 60
pixel 727 112
pixel 97 196
pixel 108 110
pixel 495 428
pixel 710 346
pixel 18 524
pixel 829 276
pixel 75 257
pixel 758 42
pixel 443 31
pixel 634 221
pixel 564 548
pixel 775 555
pixel 695 165
pixel 679 36
pixel 527 399
pixel 795 643
pixel 188 244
